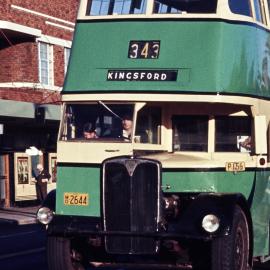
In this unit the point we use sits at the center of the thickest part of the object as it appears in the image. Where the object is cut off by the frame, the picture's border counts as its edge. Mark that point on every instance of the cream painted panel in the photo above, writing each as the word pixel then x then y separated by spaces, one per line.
pixel 90 152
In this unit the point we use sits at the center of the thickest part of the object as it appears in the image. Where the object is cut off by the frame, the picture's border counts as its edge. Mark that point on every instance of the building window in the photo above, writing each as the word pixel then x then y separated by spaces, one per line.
pixel 67 54
pixel 45 63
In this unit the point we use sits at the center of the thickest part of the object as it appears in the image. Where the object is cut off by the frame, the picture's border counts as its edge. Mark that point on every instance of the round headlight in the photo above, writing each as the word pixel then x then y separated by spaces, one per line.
pixel 44 215
pixel 210 223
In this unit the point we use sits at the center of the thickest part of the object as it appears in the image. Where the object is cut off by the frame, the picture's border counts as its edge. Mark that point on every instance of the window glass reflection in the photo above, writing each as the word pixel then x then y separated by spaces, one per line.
pixel 233 134
pixel 148 125
pixel 185 6
pixel 240 7
pixel 190 133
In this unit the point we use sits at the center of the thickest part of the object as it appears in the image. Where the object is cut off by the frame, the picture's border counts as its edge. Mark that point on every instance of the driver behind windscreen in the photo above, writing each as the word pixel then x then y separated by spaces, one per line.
pixel 127 125
pixel 89 131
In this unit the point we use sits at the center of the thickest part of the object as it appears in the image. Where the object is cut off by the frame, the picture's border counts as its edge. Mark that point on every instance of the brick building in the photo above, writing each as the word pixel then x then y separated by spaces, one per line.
pixel 35 41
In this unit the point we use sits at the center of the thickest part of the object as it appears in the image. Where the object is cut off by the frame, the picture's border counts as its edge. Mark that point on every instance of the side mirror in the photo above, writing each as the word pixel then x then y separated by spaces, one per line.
pixel 260 134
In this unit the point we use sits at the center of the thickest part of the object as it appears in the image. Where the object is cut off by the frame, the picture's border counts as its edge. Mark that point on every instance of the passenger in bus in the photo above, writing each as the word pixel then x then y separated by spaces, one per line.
pixel 127 125
pixel 245 145
pixel 89 131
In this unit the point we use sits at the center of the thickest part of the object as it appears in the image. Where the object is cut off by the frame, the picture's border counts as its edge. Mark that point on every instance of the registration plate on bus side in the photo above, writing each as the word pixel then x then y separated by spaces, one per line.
pixel 71 198
pixel 235 166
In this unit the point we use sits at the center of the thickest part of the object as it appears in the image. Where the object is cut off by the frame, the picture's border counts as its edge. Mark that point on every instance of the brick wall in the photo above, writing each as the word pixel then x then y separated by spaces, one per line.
pixel 30 95
pixel 19 63
pixel 19 54
pixel 62 9
pixel 59 65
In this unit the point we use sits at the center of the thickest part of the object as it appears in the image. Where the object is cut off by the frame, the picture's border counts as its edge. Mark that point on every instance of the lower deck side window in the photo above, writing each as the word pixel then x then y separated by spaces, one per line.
pixel 233 134
pixel 190 133
pixel 148 125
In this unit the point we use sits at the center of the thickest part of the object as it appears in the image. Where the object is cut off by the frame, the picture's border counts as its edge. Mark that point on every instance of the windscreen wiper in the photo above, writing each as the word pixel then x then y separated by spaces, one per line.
pixel 108 109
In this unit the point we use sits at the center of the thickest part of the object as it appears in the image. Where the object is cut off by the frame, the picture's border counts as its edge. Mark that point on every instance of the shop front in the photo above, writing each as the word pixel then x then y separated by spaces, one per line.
pixel 28 137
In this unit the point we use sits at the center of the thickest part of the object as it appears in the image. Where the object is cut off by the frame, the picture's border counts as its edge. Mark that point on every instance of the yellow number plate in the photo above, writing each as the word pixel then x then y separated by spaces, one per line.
pixel 71 198
pixel 235 166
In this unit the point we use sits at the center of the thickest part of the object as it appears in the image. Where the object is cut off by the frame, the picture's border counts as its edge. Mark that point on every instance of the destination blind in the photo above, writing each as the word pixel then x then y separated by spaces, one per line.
pixel 142 75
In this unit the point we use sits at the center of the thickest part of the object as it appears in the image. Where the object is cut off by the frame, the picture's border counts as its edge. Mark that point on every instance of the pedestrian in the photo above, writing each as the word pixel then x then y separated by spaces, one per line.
pixel 42 180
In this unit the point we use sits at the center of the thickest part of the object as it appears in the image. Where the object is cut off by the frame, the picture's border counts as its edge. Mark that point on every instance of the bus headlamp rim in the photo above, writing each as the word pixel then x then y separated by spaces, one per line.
pixel 210 223
pixel 45 215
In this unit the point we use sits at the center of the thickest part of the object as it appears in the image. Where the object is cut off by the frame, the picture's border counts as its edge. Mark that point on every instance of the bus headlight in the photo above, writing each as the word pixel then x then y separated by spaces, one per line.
pixel 44 215
pixel 210 223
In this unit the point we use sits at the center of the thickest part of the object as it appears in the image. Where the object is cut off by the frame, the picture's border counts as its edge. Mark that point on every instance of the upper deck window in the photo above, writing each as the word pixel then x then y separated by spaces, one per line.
pixel 185 6
pixel 114 7
pixel 240 7
pixel 268 2
pixel 259 11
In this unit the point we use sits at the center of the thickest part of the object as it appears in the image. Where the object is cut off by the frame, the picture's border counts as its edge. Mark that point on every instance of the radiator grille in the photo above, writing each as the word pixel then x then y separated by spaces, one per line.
pixel 131 202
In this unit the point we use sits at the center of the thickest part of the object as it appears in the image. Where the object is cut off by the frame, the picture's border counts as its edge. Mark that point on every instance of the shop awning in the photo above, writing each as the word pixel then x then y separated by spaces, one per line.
pixel 12 108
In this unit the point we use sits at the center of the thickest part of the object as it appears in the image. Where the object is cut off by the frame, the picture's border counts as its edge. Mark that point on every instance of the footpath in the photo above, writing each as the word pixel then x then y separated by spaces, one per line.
pixel 18 215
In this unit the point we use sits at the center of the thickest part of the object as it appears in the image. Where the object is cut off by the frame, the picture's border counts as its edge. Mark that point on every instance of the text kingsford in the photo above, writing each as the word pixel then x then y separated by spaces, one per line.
pixel 142 75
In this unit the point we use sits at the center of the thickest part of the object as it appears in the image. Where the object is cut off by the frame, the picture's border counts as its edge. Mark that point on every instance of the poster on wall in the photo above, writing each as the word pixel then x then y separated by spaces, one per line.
pixel 23 170
pixel 25 188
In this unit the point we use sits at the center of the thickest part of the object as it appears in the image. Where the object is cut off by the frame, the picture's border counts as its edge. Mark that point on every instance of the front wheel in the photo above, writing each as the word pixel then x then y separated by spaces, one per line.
pixel 232 252
pixel 64 254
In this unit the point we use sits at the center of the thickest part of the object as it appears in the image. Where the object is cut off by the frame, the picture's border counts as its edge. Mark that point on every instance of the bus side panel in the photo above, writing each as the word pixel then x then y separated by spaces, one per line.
pixel 261 213
pixel 254 186
pixel 209 181
pixel 78 180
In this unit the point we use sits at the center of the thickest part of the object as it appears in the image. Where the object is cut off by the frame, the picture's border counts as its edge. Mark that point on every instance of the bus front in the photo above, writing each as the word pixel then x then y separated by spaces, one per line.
pixel 162 156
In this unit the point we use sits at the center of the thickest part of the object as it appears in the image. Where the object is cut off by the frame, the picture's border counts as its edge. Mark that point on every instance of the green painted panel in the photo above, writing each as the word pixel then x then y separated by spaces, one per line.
pixel 261 212
pixel 255 186
pixel 222 182
pixel 79 180
pixel 210 56
pixel 110 51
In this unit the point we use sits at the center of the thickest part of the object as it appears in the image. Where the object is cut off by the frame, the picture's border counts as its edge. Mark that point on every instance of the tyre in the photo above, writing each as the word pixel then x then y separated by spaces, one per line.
pixel 64 254
pixel 232 252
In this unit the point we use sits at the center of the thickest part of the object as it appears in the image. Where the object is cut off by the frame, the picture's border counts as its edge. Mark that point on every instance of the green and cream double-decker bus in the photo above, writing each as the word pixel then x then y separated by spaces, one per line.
pixel 163 149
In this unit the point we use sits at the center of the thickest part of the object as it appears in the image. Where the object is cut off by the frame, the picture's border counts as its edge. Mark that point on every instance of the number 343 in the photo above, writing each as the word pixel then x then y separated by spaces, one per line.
pixel 144 49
